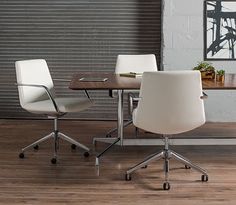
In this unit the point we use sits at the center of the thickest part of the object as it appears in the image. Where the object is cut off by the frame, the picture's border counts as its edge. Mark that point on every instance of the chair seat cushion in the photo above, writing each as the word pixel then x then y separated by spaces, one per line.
pixel 65 105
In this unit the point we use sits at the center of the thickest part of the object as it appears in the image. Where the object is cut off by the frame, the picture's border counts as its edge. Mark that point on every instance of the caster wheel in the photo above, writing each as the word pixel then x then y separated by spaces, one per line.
pixel 187 167
pixel 108 136
pixel 86 154
pixel 53 160
pixel 73 146
pixel 166 186
pixel 127 177
pixel 204 178
pixel 21 155
pixel 144 167
pixel 36 147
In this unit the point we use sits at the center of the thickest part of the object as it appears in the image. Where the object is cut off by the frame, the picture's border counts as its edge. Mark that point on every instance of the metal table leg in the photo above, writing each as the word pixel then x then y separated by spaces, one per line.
pixel 119 128
pixel 120 117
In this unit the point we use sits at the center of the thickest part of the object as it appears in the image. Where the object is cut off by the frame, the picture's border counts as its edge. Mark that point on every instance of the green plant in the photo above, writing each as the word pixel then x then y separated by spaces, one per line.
pixel 204 66
pixel 220 72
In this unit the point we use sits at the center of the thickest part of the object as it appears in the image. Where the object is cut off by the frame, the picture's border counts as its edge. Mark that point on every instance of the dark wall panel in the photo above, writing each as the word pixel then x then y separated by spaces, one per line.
pixel 73 35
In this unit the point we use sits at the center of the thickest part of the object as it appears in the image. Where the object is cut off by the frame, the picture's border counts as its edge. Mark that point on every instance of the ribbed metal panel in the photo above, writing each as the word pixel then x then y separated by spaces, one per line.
pixel 73 35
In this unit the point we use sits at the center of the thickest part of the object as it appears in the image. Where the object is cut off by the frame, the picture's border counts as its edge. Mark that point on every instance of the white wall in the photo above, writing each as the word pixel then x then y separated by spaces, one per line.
pixel 183 49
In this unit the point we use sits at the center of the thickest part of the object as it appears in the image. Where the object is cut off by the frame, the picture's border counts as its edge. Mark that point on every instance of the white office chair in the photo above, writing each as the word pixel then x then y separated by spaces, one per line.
pixel 135 64
pixel 171 102
pixel 36 95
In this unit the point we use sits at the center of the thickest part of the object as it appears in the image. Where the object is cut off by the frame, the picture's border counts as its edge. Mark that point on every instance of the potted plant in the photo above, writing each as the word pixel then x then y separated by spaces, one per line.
pixel 220 75
pixel 206 69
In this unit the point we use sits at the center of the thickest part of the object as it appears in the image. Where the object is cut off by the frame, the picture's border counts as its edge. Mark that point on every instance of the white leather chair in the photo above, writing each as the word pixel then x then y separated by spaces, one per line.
pixel 36 95
pixel 135 64
pixel 171 102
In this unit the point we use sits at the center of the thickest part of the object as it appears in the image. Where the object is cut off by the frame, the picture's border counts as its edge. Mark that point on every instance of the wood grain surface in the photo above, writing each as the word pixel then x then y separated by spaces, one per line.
pixel 116 81
pixel 74 180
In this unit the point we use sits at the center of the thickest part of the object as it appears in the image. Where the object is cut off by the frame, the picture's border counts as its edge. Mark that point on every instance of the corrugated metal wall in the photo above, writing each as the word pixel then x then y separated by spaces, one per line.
pixel 73 35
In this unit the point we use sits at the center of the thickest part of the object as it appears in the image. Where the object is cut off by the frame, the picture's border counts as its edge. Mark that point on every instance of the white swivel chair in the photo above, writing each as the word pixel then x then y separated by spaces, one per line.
pixel 36 95
pixel 171 102
pixel 135 64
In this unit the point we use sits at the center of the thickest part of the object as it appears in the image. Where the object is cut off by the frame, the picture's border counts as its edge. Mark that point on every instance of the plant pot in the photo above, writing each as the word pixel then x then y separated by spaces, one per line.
pixel 210 75
pixel 220 78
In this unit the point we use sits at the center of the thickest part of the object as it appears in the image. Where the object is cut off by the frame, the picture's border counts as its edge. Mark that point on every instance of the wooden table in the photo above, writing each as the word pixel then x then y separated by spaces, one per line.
pixel 116 82
pixel 228 84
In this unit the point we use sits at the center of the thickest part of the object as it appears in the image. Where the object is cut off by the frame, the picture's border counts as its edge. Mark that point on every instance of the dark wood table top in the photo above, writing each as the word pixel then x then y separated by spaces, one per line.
pixel 116 82
pixel 228 84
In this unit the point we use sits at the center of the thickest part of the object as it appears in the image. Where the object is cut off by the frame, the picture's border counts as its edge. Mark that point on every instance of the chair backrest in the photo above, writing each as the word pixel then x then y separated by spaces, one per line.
pixel 33 72
pixel 135 63
pixel 170 102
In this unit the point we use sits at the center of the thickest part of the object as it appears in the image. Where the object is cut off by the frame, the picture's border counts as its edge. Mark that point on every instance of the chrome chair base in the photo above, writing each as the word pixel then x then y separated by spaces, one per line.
pixel 56 135
pixel 167 154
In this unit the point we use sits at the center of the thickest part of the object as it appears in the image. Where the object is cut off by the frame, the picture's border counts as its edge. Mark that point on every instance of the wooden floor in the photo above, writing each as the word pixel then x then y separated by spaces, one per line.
pixel 75 180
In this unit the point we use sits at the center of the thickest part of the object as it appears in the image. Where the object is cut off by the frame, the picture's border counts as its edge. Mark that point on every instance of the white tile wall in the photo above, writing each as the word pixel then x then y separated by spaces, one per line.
pixel 177 24
pixel 186 7
pixel 183 49
pixel 187 39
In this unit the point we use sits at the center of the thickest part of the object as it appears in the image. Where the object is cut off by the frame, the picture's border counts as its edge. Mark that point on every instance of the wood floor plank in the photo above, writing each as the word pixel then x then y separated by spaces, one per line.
pixel 75 179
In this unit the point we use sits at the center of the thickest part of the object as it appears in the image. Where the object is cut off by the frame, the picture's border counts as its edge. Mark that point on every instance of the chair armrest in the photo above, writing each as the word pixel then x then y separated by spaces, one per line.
pixel 132 99
pixel 47 91
pixel 204 96
pixel 68 80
